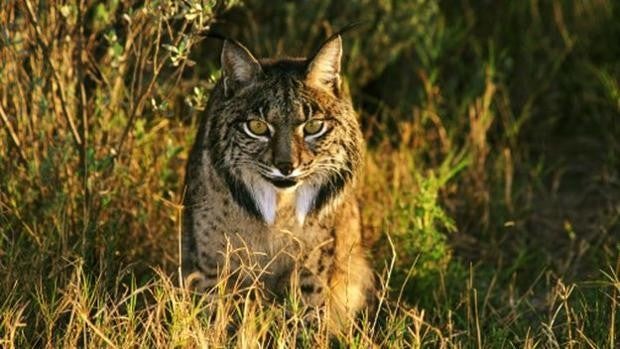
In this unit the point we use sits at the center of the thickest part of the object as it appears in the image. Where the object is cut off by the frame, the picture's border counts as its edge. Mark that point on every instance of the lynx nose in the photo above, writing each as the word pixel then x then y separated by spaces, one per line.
pixel 285 167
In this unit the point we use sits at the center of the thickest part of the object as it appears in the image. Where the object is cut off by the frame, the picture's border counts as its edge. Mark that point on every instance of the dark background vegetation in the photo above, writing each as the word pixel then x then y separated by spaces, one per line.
pixel 492 191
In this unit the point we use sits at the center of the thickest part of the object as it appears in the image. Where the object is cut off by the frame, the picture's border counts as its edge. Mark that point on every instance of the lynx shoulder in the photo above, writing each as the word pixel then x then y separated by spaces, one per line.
pixel 270 183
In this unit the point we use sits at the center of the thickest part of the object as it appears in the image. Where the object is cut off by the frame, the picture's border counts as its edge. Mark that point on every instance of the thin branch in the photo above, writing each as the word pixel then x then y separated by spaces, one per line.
pixel 145 94
pixel 13 135
pixel 158 66
pixel 61 92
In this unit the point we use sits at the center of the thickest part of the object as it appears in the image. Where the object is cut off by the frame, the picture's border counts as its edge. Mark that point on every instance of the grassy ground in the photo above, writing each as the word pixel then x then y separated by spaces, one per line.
pixel 492 190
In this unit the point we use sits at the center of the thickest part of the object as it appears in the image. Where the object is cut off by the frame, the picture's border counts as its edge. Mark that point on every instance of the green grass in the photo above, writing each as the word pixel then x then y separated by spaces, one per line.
pixel 491 195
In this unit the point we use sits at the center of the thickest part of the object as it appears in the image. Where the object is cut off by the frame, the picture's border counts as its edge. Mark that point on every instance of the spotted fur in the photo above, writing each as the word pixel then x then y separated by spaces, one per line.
pixel 279 209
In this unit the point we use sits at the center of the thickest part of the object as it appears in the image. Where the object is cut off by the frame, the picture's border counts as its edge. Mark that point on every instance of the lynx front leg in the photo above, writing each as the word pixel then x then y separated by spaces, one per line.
pixel 199 263
pixel 335 287
pixel 202 275
pixel 314 276
pixel 207 262
pixel 351 280
pixel 351 284
pixel 312 289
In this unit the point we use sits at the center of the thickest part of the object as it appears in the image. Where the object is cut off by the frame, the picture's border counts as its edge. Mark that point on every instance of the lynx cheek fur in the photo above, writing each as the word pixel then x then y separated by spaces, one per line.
pixel 270 183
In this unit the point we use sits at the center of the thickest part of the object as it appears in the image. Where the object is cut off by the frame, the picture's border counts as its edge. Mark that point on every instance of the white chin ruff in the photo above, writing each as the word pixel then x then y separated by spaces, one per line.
pixel 306 194
pixel 265 196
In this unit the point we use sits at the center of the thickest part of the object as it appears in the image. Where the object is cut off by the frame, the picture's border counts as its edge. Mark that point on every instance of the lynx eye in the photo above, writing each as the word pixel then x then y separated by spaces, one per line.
pixel 313 127
pixel 256 128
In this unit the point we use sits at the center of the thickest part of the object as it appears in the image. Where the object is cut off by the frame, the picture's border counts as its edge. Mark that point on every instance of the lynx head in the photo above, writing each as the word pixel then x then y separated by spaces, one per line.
pixel 283 125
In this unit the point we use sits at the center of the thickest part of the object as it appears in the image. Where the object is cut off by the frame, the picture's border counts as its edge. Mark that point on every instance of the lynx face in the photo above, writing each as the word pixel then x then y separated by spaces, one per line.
pixel 284 126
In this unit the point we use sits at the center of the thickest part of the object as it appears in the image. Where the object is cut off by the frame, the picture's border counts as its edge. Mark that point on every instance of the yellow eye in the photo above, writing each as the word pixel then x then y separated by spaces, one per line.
pixel 313 127
pixel 258 127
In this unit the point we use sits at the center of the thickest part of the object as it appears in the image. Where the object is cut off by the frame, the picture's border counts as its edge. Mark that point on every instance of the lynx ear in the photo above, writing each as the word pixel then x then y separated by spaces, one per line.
pixel 324 66
pixel 240 68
